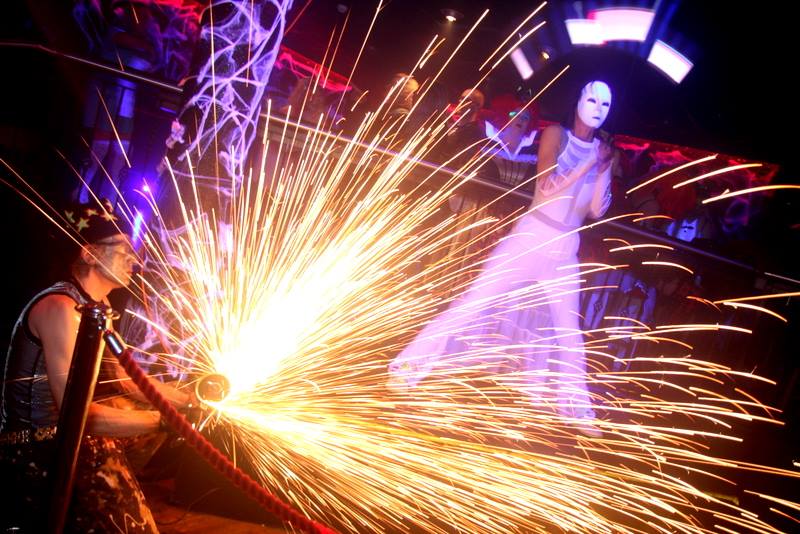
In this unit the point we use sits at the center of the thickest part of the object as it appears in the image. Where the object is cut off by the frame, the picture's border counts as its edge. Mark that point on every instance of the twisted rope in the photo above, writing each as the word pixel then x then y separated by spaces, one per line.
pixel 210 453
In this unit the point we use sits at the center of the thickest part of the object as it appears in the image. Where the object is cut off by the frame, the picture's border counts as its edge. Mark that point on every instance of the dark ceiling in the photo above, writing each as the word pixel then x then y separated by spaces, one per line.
pixel 734 100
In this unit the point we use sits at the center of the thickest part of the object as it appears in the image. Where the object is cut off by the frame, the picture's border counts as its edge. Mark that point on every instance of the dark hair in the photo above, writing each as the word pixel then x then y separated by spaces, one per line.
pixel 568 118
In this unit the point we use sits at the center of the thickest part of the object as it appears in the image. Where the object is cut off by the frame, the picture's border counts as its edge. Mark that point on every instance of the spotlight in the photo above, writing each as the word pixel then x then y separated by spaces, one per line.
pixel 545 55
pixel 451 15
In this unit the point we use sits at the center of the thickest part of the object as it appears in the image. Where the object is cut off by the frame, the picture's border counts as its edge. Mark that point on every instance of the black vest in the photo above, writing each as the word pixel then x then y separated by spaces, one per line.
pixel 26 400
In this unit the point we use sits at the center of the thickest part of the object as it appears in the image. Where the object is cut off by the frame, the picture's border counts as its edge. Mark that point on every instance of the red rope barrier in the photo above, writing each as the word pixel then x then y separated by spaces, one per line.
pixel 215 458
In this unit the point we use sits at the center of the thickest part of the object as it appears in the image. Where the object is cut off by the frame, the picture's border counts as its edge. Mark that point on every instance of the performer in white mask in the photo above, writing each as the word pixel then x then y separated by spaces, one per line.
pixel 539 256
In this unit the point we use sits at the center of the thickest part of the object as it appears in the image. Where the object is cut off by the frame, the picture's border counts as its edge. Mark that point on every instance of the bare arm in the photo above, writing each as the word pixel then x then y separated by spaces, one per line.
pixel 552 182
pixel 176 397
pixel 116 423
pixel 55 322
pixel 601 196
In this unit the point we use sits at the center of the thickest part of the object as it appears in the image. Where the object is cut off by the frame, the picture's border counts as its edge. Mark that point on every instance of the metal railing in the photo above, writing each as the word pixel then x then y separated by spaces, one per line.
pixel 616 302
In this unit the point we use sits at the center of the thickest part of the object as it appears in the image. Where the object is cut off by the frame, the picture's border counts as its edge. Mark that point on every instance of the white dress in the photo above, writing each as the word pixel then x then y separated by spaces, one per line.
pixel 532 268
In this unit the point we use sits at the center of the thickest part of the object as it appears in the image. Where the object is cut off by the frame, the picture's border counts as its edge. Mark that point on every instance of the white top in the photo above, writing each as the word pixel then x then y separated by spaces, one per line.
pixel 559 207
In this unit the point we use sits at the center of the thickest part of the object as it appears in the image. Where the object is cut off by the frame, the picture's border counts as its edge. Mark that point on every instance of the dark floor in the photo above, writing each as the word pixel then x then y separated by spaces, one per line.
pixel 174 519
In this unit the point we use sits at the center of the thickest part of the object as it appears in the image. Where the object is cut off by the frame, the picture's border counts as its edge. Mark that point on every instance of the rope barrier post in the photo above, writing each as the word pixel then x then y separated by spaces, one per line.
pixel 83 372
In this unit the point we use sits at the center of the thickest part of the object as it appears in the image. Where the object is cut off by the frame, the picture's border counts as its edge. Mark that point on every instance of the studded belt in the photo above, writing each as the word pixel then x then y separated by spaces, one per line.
pixel 28 435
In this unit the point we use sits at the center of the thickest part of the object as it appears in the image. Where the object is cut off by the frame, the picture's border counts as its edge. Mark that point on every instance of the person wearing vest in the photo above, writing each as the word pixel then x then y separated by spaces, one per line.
pixel 106 496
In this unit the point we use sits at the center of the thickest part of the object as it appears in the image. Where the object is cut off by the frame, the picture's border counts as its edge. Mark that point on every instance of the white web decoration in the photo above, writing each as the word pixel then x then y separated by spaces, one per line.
pixel 244 45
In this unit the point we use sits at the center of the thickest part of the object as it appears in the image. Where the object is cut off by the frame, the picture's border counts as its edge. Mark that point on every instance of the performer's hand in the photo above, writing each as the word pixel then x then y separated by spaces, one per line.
pixel 195 413
pixel 396 384
pixel 191 400
pixel 398 377
pixel 605 152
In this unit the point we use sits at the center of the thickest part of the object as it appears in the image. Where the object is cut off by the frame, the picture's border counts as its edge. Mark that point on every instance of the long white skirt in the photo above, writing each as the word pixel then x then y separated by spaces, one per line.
pixel 499 325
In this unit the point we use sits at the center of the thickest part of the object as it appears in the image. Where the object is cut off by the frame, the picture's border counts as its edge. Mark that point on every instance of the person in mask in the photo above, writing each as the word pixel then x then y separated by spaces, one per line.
pixel 536 262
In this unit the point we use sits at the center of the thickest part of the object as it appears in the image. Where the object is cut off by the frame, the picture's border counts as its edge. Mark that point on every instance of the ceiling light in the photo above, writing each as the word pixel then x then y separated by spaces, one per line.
pixel 451 15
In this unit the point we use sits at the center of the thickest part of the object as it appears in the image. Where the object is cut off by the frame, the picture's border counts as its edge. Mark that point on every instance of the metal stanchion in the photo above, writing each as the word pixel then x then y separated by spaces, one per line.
pixel 78 395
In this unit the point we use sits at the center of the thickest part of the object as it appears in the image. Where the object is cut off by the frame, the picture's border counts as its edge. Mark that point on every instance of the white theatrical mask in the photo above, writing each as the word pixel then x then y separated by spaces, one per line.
pixel 594 103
